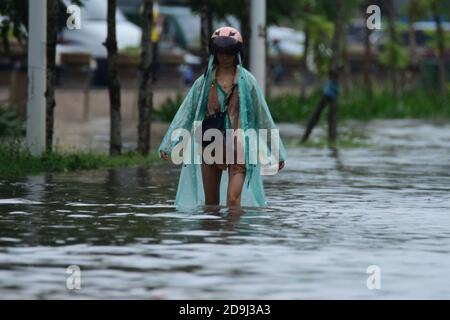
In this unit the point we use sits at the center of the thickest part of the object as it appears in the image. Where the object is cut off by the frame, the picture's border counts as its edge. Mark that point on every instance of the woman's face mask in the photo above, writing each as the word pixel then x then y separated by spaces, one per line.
pixel 225 59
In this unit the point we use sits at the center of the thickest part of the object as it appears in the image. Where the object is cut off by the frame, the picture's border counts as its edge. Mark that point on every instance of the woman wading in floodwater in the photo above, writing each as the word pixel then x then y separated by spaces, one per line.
pixel 227 95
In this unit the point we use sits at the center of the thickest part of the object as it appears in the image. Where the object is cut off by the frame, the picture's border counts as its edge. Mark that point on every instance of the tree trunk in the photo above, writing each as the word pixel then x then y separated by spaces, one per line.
pixel 304 61
pixel 145 101
pixel 115 142
pixel 205 33
pixel 367 55
pixel 441 47
pixel 245 32
pixel 304 66
pixel 345 77
pixel 209 22
pixel 268 66
pixel 393 39
pixel 412 14
pixel 52 31
pixel 336 45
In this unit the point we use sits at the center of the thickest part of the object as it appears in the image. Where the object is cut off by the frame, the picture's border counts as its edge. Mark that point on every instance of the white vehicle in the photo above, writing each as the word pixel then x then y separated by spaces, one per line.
pixel 290 41
pixel 91 35
pixel 93 31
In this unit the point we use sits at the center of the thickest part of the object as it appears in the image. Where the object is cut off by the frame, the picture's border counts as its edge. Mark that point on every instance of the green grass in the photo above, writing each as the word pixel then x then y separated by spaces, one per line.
pixel 363 105
pixel 15 160
pixel 383 104
pixel 358 104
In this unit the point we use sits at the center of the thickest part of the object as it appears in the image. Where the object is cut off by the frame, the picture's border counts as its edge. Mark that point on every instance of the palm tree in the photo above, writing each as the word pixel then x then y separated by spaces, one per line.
pixel 306 45
pixel 115 143
pixel 145 100
pixel 206 16
pixel 52 31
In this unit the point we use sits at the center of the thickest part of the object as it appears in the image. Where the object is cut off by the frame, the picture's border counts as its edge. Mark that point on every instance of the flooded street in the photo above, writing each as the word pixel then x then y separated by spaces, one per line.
pixel 331 215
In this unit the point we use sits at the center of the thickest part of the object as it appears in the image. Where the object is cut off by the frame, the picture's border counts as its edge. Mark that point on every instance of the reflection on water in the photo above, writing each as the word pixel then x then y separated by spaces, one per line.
pixel 332 214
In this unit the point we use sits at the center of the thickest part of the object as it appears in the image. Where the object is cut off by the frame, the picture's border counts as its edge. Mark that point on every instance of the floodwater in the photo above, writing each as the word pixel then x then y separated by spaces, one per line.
pixel 332 215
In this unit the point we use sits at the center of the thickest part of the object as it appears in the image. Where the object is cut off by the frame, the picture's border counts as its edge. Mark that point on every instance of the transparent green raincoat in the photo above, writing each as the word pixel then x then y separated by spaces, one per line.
pixel 254 114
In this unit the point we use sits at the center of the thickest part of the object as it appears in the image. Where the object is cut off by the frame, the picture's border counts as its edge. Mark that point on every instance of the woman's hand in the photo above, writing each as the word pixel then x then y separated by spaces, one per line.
pixel 280 165
pixel 164 155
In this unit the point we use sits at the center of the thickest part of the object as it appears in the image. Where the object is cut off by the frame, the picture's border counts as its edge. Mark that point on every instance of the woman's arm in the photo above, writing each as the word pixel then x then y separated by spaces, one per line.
pixel 263 117
pixel 183 119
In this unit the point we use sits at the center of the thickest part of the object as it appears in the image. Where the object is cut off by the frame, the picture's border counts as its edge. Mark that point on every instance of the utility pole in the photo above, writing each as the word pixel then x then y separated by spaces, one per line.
pixel 257 41
pixel 37 35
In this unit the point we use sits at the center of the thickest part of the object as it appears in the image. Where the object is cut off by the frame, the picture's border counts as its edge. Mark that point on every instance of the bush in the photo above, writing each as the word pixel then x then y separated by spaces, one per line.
pixel 168 109
pixel 10 125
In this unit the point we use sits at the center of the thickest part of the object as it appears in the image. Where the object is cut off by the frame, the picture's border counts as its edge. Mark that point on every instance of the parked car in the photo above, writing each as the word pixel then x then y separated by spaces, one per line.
pixel 92 34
